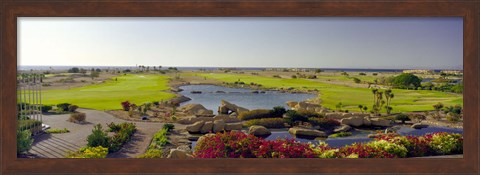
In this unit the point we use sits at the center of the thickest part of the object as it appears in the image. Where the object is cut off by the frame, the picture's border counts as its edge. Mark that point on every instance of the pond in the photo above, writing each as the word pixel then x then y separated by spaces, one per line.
pixel 359 136
pixel 211 96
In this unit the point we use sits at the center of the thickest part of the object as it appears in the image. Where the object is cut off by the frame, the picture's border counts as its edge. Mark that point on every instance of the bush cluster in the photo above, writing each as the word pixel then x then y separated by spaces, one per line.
pixel 57 131
pixel 46 108
pixel 159 140
pixel 114 143
pixel 89 152
pixel 63 106
pixel 324 123
pixel 240 145
pixel 276 112
pixel 77 117
pixel 28 124
pixel 24 141
pixel 267 122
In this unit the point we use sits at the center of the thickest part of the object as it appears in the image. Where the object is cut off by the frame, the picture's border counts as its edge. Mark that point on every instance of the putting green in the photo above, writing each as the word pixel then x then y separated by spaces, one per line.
pixel 108 95
pixel 350 97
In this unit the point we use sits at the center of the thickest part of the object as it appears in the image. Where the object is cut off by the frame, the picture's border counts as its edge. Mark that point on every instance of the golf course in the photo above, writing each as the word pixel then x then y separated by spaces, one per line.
pixel 137 88
pixel 141 88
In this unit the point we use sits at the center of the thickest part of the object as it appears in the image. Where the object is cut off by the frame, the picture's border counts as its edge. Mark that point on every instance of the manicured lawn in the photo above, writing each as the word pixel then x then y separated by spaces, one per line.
pixel 107 96
pixel 331 94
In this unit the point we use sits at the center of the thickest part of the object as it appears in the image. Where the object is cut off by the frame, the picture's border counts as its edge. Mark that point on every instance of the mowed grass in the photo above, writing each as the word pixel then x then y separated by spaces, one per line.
pixel 137 89
pixel 350 97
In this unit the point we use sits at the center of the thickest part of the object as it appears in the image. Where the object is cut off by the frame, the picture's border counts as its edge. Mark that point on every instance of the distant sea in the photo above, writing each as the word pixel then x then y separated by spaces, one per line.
pixel 37 68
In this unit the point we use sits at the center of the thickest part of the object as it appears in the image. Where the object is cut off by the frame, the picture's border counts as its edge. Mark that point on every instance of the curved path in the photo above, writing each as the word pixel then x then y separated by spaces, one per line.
pixel 57 145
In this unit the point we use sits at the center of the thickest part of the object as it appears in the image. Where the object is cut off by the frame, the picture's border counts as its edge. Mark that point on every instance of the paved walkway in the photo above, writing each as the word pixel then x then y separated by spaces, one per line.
pixel 57 145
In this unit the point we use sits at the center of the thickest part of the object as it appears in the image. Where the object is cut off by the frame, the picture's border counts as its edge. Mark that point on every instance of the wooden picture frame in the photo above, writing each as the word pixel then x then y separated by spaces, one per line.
pixel 10 10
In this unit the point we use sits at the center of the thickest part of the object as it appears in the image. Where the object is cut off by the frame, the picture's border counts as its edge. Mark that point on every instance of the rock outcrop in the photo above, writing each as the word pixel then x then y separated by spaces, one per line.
pixel 196 127
pixel 306 132
pixel 193 119
pixel 178 154
pixel 179 99
pixel 304 106
pixel 207 127
pixel 227 118
pixel 227 108
pixel 233 126
pixel 195 109
pixel 419 126
pixel 218 126
pixel 257 130
pixel 342 128
pixel 357 121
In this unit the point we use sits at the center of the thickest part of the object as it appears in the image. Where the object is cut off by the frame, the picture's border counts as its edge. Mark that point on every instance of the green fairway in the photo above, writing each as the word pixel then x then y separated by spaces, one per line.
pixel 331 94
pixel 107 96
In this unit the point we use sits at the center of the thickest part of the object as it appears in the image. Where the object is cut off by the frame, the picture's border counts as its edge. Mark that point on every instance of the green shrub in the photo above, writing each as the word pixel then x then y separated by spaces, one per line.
pixel 324 123
pixel 24 141
pixel 444 143
pixel 169 126
pixel 77 117
pixel 267 122
pixel 121 137
pixel 309 114
pixel 159 139
pixel 57 131
pixel 340 134
pixel 294 116
pixel 402 117
pixel 152 153
pixel 453 117
pixel 63 106
pixel 98 137
pixel 72 108
pixel 27 124
pixel 278 111
pixel 256 114
pixel 89 152
pixel 46 108
pixel 112 127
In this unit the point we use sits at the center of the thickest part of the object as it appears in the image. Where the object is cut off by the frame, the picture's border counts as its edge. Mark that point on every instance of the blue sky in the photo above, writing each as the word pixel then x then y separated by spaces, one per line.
pixel 323 42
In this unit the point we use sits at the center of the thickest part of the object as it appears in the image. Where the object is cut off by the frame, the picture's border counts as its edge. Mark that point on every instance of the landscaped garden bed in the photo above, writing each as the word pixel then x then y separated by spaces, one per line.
pixel 240 145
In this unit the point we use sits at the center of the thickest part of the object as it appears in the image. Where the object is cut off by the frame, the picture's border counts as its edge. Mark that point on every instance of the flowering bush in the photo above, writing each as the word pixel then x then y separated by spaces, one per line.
pixel 228 145
pixel 241 145
pixel 358 150
pixel 284 149
pixel 126 105
pixel 89 152
pixel 444 143
pixel 392 148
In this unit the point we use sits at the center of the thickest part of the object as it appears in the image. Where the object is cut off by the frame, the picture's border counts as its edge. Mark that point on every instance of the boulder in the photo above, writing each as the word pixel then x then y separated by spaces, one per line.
pixel 346 115
pixel 201 138
pixel 178 154
pixel 342 128
pixel 257 130
pixel 226 118
pixel 419 126
pixel 226 107
pixel 193 119
pixel 196 127
pixel 233 126
pixel 367 121
pixel 307 106
pixel 207 127
pixel 180 99
pixel 380 122
pixel 195 109
pixel 218 125
pixel 333 115
pixel 291 104
pixel 306 132
pixel 352 121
